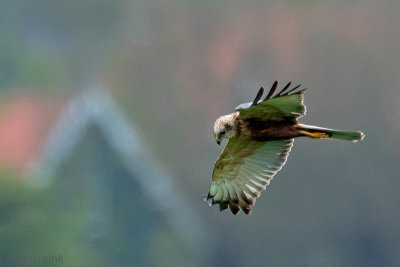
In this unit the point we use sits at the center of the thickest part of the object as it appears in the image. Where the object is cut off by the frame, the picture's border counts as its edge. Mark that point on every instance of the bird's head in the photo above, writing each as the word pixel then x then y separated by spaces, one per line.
pixel 224 127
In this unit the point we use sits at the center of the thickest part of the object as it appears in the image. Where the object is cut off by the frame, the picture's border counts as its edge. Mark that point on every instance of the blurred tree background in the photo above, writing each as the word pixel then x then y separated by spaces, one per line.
pixel 172 68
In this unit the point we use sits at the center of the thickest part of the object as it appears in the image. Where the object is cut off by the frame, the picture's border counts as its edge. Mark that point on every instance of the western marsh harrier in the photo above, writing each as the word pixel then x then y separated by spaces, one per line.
pixel 260 137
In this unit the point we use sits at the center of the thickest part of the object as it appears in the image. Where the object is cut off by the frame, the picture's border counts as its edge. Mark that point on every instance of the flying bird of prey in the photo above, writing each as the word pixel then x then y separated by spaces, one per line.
pixel 260 137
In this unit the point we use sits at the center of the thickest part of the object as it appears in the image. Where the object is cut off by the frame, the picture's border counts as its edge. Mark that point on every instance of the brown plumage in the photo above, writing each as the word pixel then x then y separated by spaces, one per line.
pixel 258 129
pixel 260 137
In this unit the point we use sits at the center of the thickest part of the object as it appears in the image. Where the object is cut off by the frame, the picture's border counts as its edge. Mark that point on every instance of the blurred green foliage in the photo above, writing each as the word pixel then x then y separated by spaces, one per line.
pixel 30 226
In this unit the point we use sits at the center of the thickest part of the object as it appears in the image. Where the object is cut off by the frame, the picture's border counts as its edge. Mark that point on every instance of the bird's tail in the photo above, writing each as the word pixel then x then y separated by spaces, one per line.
pixel 319 132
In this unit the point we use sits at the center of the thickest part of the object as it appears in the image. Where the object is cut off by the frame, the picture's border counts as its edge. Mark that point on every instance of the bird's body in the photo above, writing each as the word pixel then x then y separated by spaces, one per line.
pixel 260 137
pixel 258 129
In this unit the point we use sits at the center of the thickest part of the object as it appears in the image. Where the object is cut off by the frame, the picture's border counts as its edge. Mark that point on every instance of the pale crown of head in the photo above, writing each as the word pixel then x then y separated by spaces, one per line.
pixel 224 127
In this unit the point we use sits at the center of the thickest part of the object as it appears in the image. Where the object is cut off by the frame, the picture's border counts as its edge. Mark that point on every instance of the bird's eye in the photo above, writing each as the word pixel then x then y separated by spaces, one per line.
pixel 223 132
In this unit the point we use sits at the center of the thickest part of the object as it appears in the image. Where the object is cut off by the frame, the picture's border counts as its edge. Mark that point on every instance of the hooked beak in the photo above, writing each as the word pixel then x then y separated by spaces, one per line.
pixel 218 140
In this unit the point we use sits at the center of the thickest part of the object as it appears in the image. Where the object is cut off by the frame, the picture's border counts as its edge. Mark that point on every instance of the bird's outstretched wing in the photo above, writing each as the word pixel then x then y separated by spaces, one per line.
pixel 243 170
pixel 287 104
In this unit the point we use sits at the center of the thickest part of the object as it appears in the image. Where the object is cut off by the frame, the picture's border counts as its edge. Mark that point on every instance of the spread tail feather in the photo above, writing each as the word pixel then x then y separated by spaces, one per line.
pixel 319 132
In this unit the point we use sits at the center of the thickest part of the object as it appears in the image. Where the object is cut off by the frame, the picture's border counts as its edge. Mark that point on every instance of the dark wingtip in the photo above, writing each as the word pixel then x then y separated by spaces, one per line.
pixel 272 90
pixel 234 207
pixel 284 89
pixel 223 206
pixel 258 97
pixel 291 90
pixel 247 211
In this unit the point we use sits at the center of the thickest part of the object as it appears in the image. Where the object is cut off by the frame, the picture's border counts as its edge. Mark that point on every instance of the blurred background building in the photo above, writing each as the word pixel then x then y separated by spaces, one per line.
pixel 114 177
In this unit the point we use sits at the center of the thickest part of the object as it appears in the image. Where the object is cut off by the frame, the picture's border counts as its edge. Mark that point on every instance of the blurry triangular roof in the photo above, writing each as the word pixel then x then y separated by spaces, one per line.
pixel 96 106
